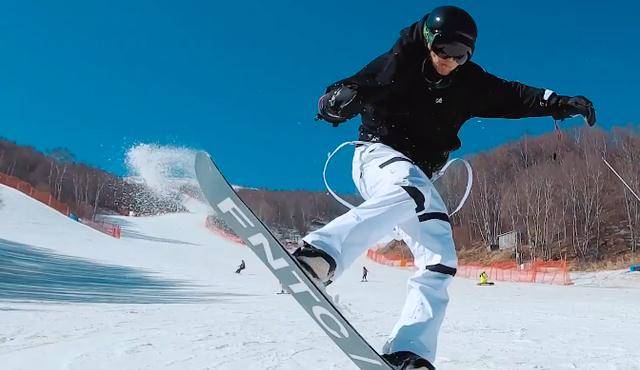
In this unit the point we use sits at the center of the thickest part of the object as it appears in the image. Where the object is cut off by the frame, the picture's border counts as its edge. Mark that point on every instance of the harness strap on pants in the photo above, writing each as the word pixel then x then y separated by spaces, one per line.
pixel 434 178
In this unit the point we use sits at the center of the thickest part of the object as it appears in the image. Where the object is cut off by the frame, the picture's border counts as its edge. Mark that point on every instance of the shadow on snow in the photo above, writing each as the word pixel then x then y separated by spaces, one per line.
pixel 29 273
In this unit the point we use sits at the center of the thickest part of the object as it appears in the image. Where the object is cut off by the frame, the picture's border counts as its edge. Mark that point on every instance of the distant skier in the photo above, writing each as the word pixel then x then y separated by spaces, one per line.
pixel 364 273
pixel 241 267
pixel 413 100
pixel 484 279
pixel 284 289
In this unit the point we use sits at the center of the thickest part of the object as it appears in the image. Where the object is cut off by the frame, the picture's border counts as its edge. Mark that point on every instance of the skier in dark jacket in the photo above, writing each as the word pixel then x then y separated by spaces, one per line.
pixel 365 272
pixel 413 100
pixel 240 267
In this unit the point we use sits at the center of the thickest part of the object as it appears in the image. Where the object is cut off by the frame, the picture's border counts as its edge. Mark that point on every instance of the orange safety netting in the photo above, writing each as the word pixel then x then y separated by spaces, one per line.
pixel 26 188
pixel 389 260
pixel 544 272
pixel 215 226
pixel 48 199
pixel 104 227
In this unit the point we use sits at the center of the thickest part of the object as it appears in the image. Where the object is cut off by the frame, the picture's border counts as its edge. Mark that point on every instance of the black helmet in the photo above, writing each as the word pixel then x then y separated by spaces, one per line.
pixel 450 32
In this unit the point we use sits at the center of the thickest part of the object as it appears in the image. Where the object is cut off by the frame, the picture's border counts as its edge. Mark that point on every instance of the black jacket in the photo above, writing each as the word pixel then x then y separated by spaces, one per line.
pixel 403 110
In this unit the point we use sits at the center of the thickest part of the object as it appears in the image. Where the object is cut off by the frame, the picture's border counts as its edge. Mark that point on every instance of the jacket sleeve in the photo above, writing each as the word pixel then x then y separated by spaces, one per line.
pixel 376 79
pixel 498 98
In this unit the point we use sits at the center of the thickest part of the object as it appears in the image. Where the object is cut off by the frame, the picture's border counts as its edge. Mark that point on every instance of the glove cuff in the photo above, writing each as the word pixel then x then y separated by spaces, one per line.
pixel 558 106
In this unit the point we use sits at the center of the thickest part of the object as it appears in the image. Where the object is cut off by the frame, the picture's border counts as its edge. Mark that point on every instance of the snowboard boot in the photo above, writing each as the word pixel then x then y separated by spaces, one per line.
pixel 405 360
pixel 319 265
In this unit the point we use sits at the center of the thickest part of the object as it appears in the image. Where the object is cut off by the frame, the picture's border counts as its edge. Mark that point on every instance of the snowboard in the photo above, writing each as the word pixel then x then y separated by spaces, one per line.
pixel 235 213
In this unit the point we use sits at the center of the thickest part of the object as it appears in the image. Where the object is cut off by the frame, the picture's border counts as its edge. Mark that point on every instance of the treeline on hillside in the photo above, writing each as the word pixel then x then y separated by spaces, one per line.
pixel 88 190
pixel 556 192
pixel 294 210
pixel 85 189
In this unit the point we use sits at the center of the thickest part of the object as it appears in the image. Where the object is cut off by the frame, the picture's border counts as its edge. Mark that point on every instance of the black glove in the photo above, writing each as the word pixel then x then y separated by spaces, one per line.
pixel 569 106
pixel 339 105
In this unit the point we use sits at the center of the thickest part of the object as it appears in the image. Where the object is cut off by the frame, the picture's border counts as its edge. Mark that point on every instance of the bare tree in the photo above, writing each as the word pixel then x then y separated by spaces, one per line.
pixel 629 165
pixel 101 182
pixel 485 205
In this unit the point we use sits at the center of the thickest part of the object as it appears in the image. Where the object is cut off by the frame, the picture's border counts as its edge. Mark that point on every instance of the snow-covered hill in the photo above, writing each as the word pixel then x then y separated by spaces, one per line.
pixel 165 297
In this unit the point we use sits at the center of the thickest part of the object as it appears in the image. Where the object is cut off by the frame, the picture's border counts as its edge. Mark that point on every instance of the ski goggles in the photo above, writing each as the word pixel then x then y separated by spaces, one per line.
pixel 449 46
pixel 454 50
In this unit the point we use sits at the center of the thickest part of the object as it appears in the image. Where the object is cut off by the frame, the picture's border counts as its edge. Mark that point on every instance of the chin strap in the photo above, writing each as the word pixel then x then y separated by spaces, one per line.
pixel 434 178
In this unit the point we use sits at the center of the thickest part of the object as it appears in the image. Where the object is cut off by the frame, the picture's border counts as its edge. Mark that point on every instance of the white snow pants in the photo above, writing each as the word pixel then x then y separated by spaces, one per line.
pixel 398 195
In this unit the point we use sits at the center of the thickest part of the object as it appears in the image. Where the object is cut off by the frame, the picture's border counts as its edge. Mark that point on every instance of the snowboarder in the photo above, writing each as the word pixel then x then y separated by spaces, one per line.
pixel 241 267
pixel 484 279
pixel 413 100
pixel 364 273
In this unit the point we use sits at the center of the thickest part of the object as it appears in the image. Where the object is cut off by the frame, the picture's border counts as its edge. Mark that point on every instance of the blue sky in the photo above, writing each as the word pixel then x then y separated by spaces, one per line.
pixel 241 79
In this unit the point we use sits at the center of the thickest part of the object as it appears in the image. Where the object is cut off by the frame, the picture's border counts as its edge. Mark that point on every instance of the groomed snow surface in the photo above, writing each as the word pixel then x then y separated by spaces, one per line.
pixel 165 296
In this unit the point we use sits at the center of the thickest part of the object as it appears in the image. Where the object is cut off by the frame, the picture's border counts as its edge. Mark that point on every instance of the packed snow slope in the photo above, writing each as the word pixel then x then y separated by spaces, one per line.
pixel 165 296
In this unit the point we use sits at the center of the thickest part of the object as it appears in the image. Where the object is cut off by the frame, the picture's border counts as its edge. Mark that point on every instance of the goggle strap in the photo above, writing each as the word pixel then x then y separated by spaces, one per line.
pixel 428 36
